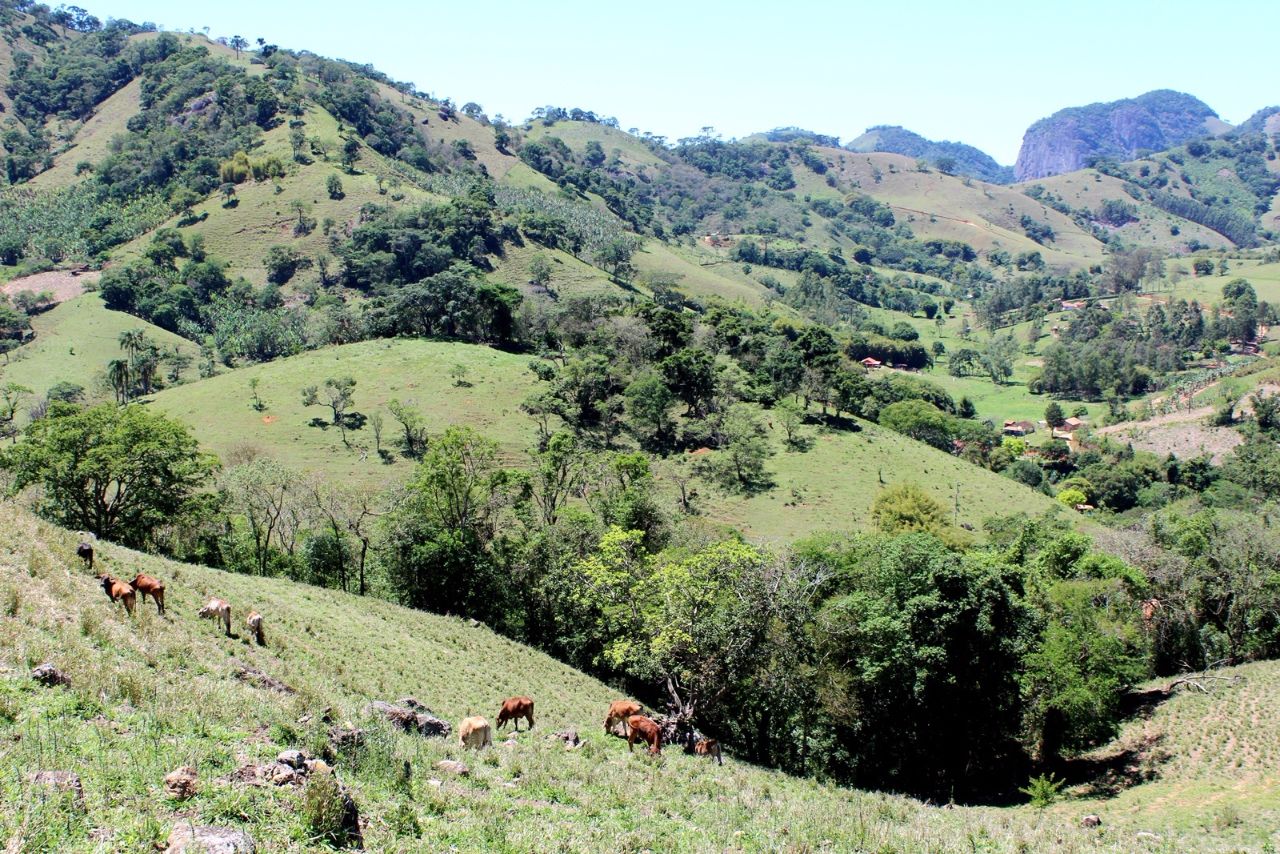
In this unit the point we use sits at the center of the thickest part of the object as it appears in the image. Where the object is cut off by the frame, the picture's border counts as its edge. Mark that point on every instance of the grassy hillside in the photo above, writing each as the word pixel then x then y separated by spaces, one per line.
pixel 616 143
pixel 938 206
pixel 416 372
pixel 73 343
pixel 832 485
pixel 1265 278
pixel 1087 189
pixel 90 141
pixel 151 694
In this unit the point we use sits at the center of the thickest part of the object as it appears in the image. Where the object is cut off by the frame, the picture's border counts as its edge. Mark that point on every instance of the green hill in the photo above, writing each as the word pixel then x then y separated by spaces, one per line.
pixel 415 372
pixel 73 343
pixel 150 694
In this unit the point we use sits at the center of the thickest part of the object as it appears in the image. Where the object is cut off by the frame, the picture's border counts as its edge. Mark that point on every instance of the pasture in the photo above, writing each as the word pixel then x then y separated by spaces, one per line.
pixel 221 414
pixel 831 485
pixel 74 342
pixel 150 694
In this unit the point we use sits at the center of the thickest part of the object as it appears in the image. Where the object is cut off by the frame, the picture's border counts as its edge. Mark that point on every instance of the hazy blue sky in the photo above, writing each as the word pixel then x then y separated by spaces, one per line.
pixel 978 72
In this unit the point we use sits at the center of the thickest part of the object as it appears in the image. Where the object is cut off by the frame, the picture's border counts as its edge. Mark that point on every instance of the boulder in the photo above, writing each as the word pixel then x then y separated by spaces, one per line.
pixel 50 676
pixel 60 781
pixel 411 718
pixel 295 759
pixel 451 766
pixel 180 783
pixel 318 766
pixel 205 839
pixel 345 738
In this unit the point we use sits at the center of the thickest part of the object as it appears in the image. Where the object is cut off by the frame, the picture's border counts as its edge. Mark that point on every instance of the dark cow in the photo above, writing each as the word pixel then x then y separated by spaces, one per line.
pixel 84 551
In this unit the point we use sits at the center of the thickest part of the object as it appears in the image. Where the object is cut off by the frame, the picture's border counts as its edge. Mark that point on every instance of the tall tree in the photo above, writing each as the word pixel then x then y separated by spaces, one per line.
pixel 118 472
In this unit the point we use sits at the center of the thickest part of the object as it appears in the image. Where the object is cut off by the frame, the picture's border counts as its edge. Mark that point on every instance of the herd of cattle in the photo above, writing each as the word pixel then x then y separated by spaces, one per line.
pixel 625 717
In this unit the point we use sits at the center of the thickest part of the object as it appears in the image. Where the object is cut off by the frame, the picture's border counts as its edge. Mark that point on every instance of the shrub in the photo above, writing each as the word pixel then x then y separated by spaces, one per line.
pixel 1043 790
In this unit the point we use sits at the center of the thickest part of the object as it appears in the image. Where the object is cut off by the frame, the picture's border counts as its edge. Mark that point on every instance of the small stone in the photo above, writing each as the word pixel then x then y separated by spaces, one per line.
pixel 279 774
pixel 345 737
pixel 204 839
pixel 62 781
pixel 181 783
pixel 452 766
pixel 568 736
pixel 50 676
pixel 434 782
pixel 295 759
pixel 1091 821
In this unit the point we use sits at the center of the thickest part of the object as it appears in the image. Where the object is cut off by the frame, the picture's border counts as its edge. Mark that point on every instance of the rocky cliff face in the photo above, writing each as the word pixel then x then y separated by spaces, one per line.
pixel 1120 129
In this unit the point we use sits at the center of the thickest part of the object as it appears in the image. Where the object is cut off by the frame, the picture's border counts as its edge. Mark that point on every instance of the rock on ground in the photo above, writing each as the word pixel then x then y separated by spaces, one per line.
pixel 205 839
pixel 180 783
pixel 453 767
pixel 50 676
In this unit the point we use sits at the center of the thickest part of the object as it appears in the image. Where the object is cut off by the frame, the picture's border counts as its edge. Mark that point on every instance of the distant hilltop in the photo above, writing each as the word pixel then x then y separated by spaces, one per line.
pixel 955 157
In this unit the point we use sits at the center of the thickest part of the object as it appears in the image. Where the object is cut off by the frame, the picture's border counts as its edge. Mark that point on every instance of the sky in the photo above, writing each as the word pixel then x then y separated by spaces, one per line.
pixel 977 72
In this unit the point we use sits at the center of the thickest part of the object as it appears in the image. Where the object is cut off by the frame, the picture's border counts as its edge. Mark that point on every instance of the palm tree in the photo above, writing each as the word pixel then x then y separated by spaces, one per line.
pixel 119 375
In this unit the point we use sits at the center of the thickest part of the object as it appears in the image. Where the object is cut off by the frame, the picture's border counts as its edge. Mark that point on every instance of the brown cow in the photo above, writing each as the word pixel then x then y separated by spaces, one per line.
pixel 218 610
pixel 148 586
pixel 642 727
pixel 514 709
pixel 474 732
pixel 705 747
pixel 118 591
pixel 84 551
pixel 620 710
pixel 254 622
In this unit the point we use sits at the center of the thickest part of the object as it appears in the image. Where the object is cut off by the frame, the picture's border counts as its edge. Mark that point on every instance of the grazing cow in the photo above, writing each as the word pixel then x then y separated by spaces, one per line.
pixel 84 551
pixel 254 622
pixel 702 746
pixel 218 610
pixel 474 732
pixel 118 591
pixel 514 709
pixel 620 710
pixel 638 726
pixel 148 586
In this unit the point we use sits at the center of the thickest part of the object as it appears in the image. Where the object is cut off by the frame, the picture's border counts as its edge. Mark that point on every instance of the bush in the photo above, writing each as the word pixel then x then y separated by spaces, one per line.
pixel 1043 790
pixel 333 185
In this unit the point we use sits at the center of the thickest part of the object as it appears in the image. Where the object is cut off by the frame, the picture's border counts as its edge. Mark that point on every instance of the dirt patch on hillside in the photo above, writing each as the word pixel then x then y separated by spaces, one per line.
pixel 1184 434
pixel 63 284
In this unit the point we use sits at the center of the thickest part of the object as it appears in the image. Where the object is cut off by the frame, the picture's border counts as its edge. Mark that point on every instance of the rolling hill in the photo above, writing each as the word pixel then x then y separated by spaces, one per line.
pixel 73 343
pixel 150 694
pixel 965 159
